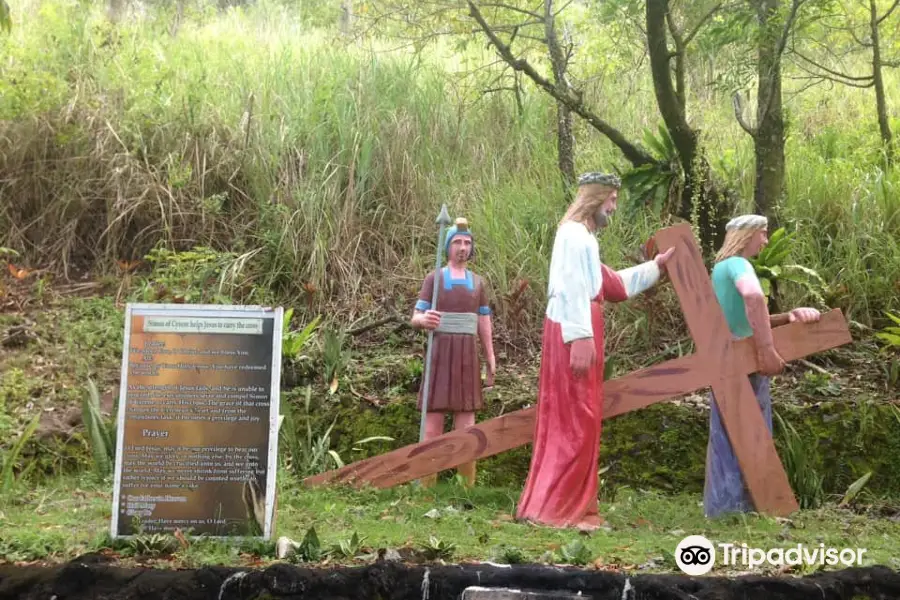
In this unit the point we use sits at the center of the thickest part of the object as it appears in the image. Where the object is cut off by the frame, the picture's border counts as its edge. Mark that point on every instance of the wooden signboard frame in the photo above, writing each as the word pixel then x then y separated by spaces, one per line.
pixel 719 363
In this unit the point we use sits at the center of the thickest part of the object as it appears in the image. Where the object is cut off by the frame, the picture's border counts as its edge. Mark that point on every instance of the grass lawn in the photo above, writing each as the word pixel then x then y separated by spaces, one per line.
pixel 68 517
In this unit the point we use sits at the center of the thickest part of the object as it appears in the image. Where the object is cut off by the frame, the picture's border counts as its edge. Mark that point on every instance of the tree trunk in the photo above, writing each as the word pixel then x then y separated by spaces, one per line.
pixel 670 107
pixel 880 101
pixel 346 21
pixel 769 135
pixel 179 16
pixel 565 144
pixel 700 198
pixel 565 137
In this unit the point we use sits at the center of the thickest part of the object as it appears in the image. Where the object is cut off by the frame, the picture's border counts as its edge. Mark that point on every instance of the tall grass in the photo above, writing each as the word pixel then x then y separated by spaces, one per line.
pixel 324 165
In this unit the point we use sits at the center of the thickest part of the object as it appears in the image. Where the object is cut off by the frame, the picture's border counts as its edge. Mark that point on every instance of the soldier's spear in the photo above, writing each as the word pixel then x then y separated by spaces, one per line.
pixel 442 220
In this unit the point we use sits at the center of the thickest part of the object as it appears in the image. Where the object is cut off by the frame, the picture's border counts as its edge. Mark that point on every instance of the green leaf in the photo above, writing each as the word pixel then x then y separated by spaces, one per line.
pixel 766 286
pixel 97 434
pixel 310 548
pixel 671 153
pixel 890 338
pixel 777 257
pixel 855 488
pixel 658 147
pixel 9 462
pixel 764 271
pixel 777 236
pixel 286 321
pixel 376 438
pixel 812 273
pixel 337 459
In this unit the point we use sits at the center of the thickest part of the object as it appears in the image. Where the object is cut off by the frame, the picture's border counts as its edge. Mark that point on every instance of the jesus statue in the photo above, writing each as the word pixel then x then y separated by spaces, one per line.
pixel 561 488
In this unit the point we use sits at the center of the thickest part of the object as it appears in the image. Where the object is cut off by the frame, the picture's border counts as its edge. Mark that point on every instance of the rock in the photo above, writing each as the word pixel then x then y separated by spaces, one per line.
pixel 62 422
pixel 285 546
pixel 18 336
pixel 392 555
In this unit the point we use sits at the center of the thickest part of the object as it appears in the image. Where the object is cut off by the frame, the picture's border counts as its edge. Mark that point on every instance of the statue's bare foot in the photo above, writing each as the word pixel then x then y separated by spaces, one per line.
pixel 589 523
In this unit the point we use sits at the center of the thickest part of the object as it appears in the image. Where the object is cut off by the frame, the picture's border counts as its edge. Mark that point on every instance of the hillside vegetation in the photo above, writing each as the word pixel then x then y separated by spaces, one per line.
pixel 190 152
pixel 313 165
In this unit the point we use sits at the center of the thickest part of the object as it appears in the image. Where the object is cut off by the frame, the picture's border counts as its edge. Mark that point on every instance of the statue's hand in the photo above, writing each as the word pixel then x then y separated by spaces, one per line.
pixel 491 371
pixel 804 315
pixel 430 319
pixel 769 361
pixel 582 356
pixel 662 259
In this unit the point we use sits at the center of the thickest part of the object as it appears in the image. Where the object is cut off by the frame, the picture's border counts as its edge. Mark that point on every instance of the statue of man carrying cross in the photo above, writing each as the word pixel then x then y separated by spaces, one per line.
pixel 745 307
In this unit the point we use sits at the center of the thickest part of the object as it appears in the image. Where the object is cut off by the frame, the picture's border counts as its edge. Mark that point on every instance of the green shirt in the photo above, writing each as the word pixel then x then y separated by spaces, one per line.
pixel 724 276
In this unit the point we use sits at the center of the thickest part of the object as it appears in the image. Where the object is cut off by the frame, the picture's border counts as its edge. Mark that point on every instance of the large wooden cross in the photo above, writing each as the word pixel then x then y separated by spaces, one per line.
pixel 718 363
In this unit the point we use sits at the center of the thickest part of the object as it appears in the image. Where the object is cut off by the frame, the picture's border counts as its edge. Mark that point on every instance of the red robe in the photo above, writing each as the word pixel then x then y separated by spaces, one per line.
pixel 561 488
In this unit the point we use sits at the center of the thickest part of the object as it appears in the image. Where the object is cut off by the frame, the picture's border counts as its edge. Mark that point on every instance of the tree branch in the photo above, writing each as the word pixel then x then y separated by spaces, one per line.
pixel 562 8
pixel 557 58
pixel 888 13
pixel 739 114
pixel 690 36
pixel 857 40
pixel 678 55
pixel 779 51
pixel 814 81
pixel 830 71
pixel 670 107
pixel 836 80
pixel 394 318
pixel 513 8
pixel 634 154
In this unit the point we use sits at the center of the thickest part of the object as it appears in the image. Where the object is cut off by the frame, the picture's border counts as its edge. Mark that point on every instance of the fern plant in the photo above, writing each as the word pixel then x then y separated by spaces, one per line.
pixel 296 364
pixel 293 342
pixel 100 435
pixel 654 185
pixel 312 454
pixel 890 337
pixel 772 268
pixel 801 465
pixel 7 476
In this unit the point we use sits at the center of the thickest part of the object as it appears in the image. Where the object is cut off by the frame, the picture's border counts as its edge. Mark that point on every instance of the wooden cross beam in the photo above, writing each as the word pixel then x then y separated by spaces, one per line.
pixel 718 362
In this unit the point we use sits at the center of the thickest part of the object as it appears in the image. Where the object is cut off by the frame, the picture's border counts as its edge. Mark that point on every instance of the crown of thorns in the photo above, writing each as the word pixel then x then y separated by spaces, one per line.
pixel 601 178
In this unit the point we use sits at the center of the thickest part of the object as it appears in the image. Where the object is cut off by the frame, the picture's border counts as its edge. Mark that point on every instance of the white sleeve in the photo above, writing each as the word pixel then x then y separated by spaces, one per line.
pixel 579 282
pixel 640 278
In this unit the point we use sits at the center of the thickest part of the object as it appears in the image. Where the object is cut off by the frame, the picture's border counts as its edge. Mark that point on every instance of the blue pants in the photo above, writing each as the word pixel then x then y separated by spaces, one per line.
pixel 724 489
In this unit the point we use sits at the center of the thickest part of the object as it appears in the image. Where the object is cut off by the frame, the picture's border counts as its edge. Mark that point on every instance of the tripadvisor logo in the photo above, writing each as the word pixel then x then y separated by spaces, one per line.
pixel 696 555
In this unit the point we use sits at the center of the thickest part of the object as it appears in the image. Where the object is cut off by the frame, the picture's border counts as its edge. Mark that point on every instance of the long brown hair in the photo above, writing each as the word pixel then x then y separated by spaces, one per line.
pixel 588 199
pixel 735 242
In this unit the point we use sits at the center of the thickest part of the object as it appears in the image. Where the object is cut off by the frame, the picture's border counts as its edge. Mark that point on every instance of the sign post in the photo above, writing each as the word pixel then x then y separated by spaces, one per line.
pixel 197 432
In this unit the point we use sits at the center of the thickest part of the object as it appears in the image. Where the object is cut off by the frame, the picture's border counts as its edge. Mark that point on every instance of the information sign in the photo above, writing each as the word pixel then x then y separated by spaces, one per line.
pixel 197 433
